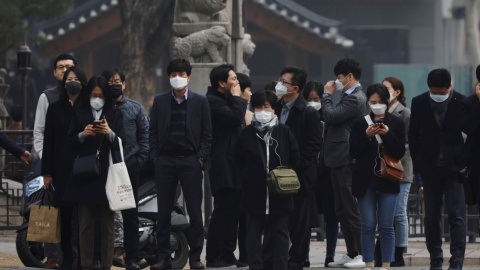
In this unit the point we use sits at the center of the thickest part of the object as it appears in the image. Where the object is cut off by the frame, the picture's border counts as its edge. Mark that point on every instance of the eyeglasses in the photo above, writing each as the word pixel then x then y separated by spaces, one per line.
pixel 64 67
pixel 284 82
pixel 97 96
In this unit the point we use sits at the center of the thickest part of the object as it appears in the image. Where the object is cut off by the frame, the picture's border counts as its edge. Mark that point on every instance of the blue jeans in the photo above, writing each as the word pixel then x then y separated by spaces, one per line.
pixel 368 206
pixel 401 220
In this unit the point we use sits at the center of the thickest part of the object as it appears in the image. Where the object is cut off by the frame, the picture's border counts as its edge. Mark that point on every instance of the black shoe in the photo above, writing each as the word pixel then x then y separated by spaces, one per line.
pixel 327 261
pixel 436 264
pixel 196 265
pixel 97 265
pixel 306 264
pixel 143 263
pixel 241 264
pixel 132 265
pixel 455 264
pixel 219 263
pixel 162 265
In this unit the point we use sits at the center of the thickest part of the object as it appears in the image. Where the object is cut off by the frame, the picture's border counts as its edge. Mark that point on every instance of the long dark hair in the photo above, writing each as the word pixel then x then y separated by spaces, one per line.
pixel 313 86
pixel 379 89
pixel 81 77
pixel 397 84
pixel 101 82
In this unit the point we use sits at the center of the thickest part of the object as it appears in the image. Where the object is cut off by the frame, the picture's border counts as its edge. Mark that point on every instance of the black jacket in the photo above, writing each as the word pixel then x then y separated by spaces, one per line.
pixel 471 126
pixel 427 139
pixel 252 171
pixel 91 191
pixel 199 127
pixel 9 145
pixel 304 122
pixel 228 114
pixel 57 159
pixel 365 151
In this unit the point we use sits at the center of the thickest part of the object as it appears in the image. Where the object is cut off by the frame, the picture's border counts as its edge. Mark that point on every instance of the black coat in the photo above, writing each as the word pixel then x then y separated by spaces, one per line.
pixel 91 191
pixel 228 115
pixel 426 138
pixel 365 151
pixel 57 159
pixel 9 145
pixel 304 122
pixel 471 126
pixel 252 171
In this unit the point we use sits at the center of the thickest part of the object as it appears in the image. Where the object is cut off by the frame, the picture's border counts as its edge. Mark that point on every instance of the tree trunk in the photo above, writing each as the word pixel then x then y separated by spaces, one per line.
pixel 146 33
pixel 471 32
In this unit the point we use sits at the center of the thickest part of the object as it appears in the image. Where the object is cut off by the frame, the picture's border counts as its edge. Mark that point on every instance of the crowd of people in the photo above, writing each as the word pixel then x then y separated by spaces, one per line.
pixel 336 149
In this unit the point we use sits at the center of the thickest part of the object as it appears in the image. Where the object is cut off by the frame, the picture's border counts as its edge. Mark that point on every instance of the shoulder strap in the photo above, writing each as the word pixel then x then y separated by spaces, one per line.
pixel 370 122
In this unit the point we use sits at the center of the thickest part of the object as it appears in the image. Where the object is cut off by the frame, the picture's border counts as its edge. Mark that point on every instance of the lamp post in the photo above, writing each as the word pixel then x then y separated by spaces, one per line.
pixel 24 64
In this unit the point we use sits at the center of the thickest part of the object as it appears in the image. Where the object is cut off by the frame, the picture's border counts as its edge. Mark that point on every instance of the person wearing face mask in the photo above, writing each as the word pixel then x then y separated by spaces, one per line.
pixel 265 215
pixel 136 151
pixel 338 122
pixel 436 143
pixel 325 199
pixel 245 87
pixel 376 195
pixel 180 137
pixel 397 107
pixel 57 160
pixel 49 96
pixel 304 122
pixel 227 109
pixel 84 139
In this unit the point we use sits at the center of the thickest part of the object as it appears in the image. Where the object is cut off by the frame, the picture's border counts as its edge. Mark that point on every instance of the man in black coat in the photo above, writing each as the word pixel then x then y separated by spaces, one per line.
pixel 304 122
pixel 180 136
pixel 228 114
pixel 9 145
pixel 436 145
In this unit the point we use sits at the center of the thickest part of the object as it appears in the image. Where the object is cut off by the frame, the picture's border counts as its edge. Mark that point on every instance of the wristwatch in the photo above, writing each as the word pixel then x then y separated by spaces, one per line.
pixel 326 95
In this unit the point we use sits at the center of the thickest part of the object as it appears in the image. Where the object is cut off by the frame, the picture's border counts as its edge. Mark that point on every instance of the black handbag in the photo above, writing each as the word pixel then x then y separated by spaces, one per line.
pixel 88 166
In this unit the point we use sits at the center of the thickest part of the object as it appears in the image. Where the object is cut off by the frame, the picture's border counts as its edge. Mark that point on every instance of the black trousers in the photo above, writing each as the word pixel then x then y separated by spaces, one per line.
pixel 223 229
pixel 299 229
pixel 168 172
pixel 273 253
pixel 242 235
pixel 443 181
pixel 346 208
pixel 130 218
pixel 66 215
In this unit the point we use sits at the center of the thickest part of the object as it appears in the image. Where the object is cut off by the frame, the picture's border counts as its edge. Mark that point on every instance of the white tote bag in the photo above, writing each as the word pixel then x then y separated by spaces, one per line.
pixel 118 188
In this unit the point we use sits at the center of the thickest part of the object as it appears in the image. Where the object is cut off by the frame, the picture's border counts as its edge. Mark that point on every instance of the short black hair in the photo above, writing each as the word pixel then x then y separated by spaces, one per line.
pixel 220 73
pixel 16 112
pixel 271 85
pixel 259 98
pixel 179 65
pixel 81 77
pixel 313 86
pixel 244 81
pixel 346 66
pixel 439 78
pixel 64 56
pixel 299 76
pixel 109 73
pixel 379 89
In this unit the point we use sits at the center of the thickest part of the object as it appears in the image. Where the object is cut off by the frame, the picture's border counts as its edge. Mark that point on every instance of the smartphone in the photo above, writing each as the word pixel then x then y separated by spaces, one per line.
pixel 96 123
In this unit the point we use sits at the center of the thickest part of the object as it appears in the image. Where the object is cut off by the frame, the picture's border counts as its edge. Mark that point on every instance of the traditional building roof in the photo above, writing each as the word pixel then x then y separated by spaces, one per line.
pixel 304 18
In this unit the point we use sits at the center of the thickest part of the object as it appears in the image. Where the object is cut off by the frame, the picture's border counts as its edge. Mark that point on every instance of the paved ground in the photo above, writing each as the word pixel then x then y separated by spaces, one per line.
pixel 416 258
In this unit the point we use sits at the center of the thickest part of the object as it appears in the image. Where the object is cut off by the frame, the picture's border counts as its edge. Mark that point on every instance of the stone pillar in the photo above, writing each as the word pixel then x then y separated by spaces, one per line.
pixel 3 111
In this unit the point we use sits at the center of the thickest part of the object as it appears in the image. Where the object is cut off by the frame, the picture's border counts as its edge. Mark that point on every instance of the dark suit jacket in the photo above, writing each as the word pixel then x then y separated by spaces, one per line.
pixel 338 123
pixel 198 124
pixel 304 122
pixel 365 151
pixel 9 145
pixel 427 139
pixel 471 126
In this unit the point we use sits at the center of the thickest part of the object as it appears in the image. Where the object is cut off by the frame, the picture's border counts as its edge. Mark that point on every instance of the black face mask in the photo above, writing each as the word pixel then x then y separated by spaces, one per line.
pixel 73 88
pixel 116 90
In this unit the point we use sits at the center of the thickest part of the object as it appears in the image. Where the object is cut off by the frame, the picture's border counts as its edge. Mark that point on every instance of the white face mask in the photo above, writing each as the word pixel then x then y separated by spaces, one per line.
pixel 97 103
pixel 280 89
pixel 378 109
pixel 178 83
pixel 316 105
pixel 439 98
pixel 263 116
pixel 391 97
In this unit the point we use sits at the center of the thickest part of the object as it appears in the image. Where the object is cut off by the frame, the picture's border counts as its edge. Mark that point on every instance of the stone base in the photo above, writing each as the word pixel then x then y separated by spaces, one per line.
pixel 200 80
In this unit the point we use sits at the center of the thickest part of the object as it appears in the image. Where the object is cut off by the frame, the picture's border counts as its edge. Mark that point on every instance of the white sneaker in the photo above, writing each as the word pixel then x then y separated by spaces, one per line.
pixel 355 262
pixel 340 262
pixel 383 268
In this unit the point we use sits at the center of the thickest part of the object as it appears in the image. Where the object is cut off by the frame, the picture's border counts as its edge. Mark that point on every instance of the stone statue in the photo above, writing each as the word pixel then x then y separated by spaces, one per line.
pixel 205 42
pixel 192 11
pixel 3 73
pixel 248 50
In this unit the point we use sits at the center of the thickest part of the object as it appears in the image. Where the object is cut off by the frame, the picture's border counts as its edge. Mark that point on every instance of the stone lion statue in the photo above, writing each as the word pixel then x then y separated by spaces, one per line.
pixel 248 50
pixel 205 42
pixel 191 11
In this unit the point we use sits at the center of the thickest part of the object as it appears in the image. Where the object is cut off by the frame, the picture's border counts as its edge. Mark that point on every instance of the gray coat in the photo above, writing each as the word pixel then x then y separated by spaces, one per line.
pixel 338 123
pixel 404 113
